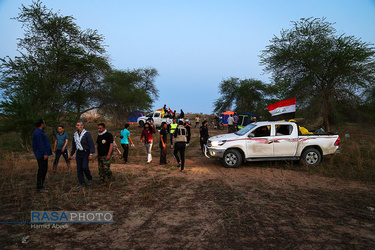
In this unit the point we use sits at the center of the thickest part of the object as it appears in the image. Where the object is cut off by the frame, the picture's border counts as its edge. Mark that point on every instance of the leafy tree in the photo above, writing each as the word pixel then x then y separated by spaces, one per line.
pixel 319 67
pixel 242 95
pixel 145 78
pixel 59 69
pixel 367 107
pixel 124 91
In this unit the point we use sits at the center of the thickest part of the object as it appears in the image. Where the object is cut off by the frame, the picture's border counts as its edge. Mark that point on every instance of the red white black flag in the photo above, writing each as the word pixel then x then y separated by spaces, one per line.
pixel 282 107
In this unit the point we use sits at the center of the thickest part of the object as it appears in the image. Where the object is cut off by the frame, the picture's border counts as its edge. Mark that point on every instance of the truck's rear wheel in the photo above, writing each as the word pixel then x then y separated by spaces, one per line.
pixel 232 158
pixel 141 124
pixel 311 157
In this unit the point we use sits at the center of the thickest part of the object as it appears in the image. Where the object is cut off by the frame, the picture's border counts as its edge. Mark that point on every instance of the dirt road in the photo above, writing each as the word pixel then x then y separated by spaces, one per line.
pixel 209 207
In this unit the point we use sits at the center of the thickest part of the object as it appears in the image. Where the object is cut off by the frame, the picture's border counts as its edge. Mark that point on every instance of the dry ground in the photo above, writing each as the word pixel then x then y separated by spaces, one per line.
pixel 259 205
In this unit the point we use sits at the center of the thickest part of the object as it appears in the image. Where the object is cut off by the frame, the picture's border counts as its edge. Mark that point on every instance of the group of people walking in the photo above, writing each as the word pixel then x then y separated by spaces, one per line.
pixel 179 139
pixel 83 147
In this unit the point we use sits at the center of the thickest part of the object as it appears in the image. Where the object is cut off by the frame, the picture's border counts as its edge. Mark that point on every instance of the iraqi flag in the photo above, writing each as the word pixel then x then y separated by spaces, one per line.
pixel 284 107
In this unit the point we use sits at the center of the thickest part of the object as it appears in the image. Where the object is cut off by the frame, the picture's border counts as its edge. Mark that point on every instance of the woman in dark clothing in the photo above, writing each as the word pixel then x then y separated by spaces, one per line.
pixel 147 134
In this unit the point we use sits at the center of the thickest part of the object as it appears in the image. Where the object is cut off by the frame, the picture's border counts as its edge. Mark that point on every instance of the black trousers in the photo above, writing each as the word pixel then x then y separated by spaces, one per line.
pixel 180 147
pixel 126 152
pixel 82 159
pixel 203 142
pixel 171 135
pixel 231 129
pixel 42 172
pixel 163 155
pixel 57 158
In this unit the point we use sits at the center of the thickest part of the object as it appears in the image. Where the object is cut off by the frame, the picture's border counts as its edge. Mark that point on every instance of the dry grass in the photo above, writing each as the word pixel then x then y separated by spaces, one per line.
pixel 259 205
pixel 356 160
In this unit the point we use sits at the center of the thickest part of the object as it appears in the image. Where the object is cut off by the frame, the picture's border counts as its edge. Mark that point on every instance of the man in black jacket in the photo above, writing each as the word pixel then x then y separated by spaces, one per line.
pixel 42 150
pixel 203 131
pixel 85 147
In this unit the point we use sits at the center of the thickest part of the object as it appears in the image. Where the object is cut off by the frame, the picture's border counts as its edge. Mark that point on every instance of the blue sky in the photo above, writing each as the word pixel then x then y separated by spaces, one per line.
pixel 194 44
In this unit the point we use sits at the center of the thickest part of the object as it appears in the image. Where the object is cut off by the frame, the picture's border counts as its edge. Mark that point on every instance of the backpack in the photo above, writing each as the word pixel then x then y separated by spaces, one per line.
pixel 181 134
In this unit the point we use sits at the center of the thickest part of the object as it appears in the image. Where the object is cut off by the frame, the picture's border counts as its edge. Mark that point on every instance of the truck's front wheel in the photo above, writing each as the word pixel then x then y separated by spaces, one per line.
pixel 141 124
pixel 311 157
pixel 232 158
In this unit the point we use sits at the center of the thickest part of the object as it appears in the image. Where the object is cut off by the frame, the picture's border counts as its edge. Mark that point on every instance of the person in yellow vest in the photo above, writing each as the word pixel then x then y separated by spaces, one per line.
pixel 173 128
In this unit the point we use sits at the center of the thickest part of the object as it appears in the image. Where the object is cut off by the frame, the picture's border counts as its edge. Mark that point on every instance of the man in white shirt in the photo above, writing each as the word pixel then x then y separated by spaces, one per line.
pixel 230 124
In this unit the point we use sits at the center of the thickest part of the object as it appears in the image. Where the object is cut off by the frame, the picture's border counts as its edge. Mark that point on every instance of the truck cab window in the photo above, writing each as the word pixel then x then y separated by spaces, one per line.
pixel 284 130
pixel 262 132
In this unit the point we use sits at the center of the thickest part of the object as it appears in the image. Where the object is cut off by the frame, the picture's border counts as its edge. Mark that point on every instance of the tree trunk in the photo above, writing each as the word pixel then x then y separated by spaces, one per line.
pixel 326 108
pixel 326 122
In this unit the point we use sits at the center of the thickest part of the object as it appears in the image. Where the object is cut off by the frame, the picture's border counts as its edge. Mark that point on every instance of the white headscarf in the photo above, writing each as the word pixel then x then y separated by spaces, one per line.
pixel 102 133
pixel 78 138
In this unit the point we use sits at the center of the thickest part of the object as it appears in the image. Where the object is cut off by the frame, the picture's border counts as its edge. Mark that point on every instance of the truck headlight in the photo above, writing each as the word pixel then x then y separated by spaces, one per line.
pixel 218 143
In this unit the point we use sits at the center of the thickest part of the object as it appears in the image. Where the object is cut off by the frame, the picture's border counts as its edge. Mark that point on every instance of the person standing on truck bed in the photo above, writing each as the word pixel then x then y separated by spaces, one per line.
pixel 180 134
pixel 164 111
pixel 203 132
pixel 182 114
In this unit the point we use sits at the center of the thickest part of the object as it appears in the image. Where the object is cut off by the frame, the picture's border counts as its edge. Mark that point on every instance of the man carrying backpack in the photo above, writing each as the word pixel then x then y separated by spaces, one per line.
pixel 180 135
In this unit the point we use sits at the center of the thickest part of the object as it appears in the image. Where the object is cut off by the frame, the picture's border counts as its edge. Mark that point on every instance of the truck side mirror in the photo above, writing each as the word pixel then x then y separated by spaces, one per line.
pixel 251 135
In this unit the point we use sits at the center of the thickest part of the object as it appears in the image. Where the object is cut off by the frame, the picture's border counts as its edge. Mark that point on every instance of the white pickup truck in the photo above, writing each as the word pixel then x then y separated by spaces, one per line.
pixel 269 141
pixel 156 116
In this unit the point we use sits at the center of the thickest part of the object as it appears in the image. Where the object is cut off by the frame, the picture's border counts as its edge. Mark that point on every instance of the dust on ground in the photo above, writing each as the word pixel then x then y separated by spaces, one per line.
pixel 208 207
